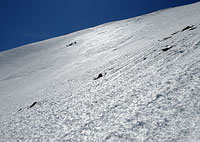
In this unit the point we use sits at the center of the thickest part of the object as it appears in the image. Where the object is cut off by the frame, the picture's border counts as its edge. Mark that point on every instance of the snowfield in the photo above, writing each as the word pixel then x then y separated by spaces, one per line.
pixel 134 80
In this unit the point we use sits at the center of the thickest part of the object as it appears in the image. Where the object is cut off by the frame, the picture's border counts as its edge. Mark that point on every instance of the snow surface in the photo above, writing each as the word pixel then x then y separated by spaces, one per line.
pixel 132 80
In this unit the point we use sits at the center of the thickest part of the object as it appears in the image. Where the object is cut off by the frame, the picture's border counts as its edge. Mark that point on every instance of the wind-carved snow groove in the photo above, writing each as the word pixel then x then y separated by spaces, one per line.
pixel 27 72
pixel 127 61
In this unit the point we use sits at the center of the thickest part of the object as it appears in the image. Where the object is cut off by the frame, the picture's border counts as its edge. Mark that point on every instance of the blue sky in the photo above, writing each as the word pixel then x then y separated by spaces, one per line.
pixel 27 21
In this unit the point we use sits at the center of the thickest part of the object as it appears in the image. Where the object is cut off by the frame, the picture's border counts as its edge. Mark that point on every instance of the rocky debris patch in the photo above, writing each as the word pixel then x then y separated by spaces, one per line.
pixel 73 43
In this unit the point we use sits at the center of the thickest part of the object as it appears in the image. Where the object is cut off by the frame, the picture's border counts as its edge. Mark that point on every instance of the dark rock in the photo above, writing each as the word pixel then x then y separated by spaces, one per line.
pixel 166 49
pixel 188 27
pixel 20 109
pixel 33 104
pixel 175 33
pixel 181 51
pixel 141 124
pixel 99 76
pixel 192 28
pixel 167 38
pixel 158 96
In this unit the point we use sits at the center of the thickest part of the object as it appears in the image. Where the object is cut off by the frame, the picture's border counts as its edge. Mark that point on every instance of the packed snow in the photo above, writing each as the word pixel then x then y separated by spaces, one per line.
pixel 132 80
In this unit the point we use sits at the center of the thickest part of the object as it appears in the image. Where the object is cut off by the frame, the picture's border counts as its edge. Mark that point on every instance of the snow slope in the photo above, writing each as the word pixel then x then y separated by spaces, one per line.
pixel 132 80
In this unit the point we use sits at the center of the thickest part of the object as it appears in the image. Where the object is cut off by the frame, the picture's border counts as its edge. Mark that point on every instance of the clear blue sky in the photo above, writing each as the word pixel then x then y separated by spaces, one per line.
pixel 27 21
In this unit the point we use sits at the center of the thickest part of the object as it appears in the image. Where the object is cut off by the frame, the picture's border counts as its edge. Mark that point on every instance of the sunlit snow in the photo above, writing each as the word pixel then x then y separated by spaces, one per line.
pixel 132 80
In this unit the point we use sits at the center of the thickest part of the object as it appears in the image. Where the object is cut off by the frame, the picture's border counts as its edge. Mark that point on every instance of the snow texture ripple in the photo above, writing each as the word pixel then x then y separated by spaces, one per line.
pixel 134 80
